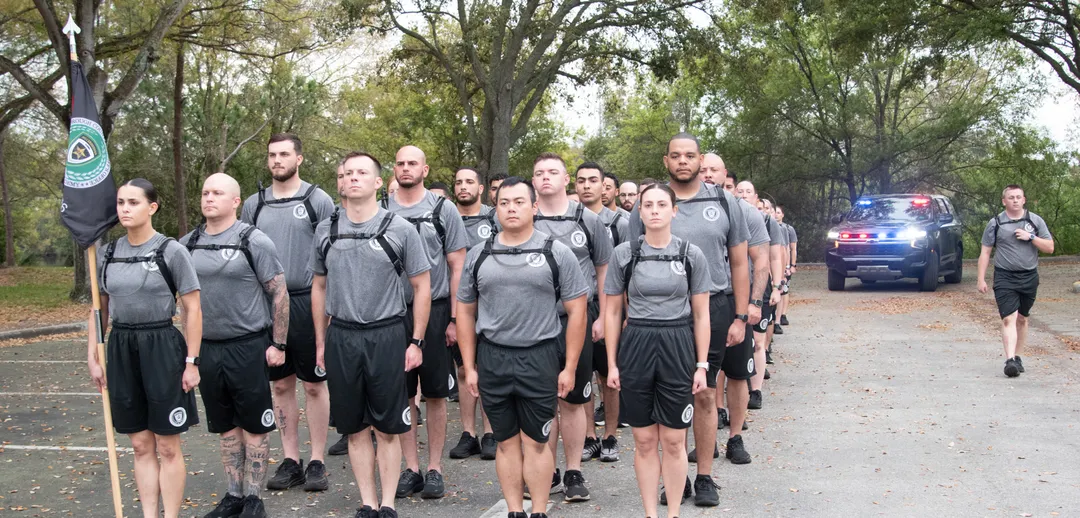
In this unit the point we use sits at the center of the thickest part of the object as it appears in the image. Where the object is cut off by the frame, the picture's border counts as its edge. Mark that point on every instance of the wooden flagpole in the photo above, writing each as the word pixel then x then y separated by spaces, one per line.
pixel 71 29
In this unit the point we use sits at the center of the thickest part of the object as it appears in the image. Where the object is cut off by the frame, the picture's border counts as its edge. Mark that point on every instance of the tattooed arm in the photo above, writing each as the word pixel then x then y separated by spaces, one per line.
pixel 279 303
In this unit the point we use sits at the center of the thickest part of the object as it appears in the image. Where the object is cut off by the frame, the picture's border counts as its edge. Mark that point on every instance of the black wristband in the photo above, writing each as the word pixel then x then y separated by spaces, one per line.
pixel 744 318
pixel 453 320
pixel 417 342
pixel 757 302
pixel 280 347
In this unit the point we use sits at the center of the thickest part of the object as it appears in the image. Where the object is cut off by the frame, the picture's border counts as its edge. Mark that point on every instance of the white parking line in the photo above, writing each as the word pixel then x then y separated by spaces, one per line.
pixel 500 509
pixel 66 394
pixel 62 448
pixel 42 361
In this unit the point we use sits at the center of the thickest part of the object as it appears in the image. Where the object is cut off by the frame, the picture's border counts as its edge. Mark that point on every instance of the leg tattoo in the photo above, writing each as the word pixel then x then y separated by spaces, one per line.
pixel 258 451
pixel 232 456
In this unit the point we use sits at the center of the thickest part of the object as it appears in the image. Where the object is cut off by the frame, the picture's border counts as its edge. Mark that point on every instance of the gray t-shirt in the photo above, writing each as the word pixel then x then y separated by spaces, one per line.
pixel 289 227
pixel 705 225
pixel 516 306
pixel 792 236
pixel 618 221
pixel 1011 253
pixel 759 235
pixel 234 300
pixel 480 227
pixel 436 250
pixel 361 283
pixel 570 233
pixel 777 233
pixel 658 289
pixel 138 293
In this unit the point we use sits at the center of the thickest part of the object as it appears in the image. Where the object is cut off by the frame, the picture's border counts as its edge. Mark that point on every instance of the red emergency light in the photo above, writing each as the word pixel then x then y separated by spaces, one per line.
pixel 920 202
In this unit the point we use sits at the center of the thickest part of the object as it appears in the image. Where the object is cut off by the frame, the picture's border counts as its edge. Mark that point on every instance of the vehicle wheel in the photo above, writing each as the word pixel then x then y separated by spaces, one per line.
pixel 958 273
pixel 868 281
pixel 929 279
pixel 836 281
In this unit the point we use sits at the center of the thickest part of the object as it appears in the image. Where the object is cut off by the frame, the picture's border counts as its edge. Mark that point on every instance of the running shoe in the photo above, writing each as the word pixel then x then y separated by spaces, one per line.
pixel 1019 363
pixel 433 485
pixel 366 512
pixel 768 356
pixel 228 507
pixel 488 447
pixel 755 400
pixel 289 474
pixel 777 330
pixel 692 456
pixel 341 447
pixel 316 476
pixel 598 415
pixel 1011 369
pixel 706 492
pixel 387 512
pixel 574 487
pixel 409 483
pixel 767 375
pixel 556 485
pixel 686 492
pixel 591 450
pixel 736 451
pixel 466 447
pixel 609 449
pixel 783 320
pixel 253 507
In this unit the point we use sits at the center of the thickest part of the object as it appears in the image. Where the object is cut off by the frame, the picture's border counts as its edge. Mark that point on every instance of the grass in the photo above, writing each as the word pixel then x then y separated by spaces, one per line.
pixel 36 286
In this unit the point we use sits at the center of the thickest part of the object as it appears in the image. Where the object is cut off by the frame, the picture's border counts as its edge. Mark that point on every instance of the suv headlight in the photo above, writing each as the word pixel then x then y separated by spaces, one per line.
pixel 833 235
pixel 911 233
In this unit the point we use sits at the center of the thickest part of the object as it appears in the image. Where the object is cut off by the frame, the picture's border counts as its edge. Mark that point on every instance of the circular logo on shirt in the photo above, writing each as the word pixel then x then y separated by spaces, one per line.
pixel 228 253
pixel 451 382
pixel 750 365
pixel 547 428
pixel 375 245
pixel 268 418
pixel 711 213
pixel 178 416
pixel 406 416
pixel 299 212
pixel 150 265
pixel 678 268
pixel 1029 228
pixel 688 413
pixel 536 260
pixel 430 223
pixel 320 372
pixel 484 231
pixel 578 239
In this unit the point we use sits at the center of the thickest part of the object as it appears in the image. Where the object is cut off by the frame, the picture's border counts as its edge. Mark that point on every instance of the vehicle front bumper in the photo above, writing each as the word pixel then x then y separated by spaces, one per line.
pixel 879 261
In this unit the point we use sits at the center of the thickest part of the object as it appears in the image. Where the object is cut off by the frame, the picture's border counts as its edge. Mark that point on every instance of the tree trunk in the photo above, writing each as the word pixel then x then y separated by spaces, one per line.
pixel 9 224
pixel 80 292
pixel 501 125
pixel 179 184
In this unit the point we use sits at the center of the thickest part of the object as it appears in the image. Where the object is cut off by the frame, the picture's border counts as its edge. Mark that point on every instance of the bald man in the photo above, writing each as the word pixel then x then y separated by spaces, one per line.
pixel 628 193
pixel 713 169
pixel 244 296
pixel 445 239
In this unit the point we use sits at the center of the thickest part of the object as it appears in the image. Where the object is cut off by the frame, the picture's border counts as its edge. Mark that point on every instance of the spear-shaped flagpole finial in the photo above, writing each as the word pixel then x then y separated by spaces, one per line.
pixel 71 29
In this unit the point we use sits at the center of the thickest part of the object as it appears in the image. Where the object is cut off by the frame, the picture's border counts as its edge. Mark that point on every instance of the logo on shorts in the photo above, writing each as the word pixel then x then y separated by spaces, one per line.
pixel 536 260
pixel 178 416
pixel 451 382
pixel 588 390
pixel 711 213
pixel 320 372
pixel 484 231
pixel 268 418
pixel 578 239
pixel 547 428
pixel 688 413
pixel 678 268
pixel 299 212
pixel 406 416
pixel 750 365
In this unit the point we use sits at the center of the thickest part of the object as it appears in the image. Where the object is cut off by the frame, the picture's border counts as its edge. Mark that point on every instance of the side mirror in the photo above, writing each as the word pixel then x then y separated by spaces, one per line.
pixel 945 218
pixel 836 219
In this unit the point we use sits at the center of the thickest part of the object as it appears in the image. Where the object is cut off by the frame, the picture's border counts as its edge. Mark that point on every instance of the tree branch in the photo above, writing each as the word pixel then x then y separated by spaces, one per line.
pixel 115 99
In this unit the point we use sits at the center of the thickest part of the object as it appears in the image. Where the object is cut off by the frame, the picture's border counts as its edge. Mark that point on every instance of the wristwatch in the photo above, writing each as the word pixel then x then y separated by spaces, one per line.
pixel 758 302
pixel 280 347
pixel 702 365
pixel 744 318
pixel 194 360
pixel 417 342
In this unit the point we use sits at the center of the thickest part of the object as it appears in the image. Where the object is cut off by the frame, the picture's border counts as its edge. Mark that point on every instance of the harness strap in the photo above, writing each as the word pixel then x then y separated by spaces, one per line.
pixel 305 197
pixel 379 236
pixel 158 258
pixel 549 257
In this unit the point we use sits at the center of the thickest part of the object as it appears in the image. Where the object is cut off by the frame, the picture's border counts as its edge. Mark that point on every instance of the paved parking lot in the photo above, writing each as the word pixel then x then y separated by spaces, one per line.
pixel 884 401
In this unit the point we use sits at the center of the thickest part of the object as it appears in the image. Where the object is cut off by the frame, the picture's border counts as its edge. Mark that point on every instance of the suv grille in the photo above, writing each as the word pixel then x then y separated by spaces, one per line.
pixel 873 249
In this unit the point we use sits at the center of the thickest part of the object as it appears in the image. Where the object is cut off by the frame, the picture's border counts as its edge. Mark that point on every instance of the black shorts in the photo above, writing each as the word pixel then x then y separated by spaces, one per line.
pixel 436 375
pixel 656 370
pixel 599 350
pixel 235 385
pixel 767 314
pixel 519 388
pixel 736 361
pixel 1015 291
pixel 300 345
pixel 366 376
pixel 145 369
pixel 582 391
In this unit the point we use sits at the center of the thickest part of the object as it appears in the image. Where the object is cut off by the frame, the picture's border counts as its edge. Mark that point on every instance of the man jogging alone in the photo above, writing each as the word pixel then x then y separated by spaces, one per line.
pixel 1018 236
pixel 288 212
pixel 243 296
pixel 509 335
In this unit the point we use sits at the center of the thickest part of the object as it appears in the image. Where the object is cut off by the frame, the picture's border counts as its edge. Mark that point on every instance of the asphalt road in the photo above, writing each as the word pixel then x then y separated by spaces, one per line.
pixel 883 401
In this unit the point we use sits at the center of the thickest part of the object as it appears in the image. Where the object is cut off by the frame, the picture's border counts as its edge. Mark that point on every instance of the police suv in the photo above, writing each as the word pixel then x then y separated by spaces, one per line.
pixel 896 236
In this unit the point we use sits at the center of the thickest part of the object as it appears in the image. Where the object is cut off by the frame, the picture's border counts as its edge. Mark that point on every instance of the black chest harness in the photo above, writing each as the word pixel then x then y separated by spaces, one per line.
pixel 578 218
pixel 636 257
pixel 305 197
pixel 379 236
pixel 549 257
pixel 244 246
pixel 433 218
pixel 158 258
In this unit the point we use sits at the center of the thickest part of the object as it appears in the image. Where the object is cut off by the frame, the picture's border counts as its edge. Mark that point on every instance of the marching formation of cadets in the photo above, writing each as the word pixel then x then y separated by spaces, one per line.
pixel 667 293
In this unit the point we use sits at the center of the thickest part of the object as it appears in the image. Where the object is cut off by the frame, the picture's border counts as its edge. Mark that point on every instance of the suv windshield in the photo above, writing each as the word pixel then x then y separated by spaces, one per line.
pixel 890 209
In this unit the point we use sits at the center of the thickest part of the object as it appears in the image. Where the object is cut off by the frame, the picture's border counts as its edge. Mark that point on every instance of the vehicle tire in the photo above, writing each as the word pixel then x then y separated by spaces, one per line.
pixel 929 279
pixel 836 280
pixel 867 281
pixel 958 272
